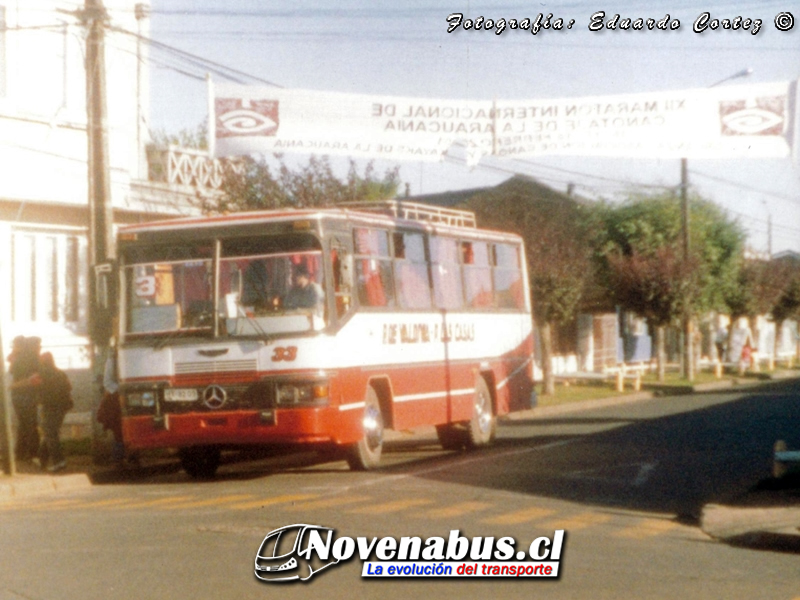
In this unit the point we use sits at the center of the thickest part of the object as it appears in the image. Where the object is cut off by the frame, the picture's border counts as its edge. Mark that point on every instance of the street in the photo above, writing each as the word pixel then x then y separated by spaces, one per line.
pixel 627 483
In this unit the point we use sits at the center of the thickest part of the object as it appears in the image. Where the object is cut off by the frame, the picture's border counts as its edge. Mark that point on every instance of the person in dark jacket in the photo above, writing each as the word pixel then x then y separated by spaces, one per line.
pixel 23 365
pixel 55 396
pixel 304 292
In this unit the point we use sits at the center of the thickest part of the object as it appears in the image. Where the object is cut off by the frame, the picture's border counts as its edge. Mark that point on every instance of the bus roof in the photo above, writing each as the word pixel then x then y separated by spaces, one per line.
pixel 359 215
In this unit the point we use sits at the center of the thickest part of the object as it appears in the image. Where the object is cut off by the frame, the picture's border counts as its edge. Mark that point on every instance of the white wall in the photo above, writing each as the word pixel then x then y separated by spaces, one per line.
pixel 43 147
pixel 43 113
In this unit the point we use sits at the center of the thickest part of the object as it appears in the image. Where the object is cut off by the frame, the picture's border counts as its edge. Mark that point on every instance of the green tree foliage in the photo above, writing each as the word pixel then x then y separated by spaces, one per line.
pixel 759 287
pixel 251 184
pixel 196 138
pixel 557 232
pixel 643 265
pixel 787 305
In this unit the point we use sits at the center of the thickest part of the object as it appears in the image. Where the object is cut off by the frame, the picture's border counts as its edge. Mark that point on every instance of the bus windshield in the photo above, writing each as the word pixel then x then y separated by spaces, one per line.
pixel 272 293
pixel 169 296
pixel 266 286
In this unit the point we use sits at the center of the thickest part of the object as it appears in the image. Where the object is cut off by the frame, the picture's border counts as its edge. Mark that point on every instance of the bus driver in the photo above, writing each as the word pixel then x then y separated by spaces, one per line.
pixel 304 292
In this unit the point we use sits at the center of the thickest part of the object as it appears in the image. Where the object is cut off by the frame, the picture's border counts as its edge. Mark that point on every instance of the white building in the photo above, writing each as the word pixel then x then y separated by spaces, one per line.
pixel 43 150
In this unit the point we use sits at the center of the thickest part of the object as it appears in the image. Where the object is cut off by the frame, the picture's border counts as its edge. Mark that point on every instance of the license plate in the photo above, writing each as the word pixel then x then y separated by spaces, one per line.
pixel 180 395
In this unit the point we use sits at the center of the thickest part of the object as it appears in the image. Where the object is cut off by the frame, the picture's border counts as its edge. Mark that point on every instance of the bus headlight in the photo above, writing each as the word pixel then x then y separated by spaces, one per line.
pixel 301 394
pixel 140 399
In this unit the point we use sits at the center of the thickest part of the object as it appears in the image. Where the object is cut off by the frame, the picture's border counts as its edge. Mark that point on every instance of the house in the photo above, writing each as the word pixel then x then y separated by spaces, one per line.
pixel 44 211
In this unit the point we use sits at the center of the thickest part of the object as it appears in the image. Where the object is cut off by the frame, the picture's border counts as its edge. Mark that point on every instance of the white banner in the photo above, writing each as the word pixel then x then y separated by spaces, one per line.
pixel 726 122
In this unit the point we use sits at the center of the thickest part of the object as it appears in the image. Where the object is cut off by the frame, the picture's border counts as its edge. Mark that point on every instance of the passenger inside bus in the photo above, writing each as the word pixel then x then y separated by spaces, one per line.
pixel 256 285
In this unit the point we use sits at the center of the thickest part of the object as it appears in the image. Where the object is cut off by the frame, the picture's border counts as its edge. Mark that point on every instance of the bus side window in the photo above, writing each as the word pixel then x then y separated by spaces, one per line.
pixel 477 274
pixel 507 277
pixel 411 271
pixel 375 281
pixel 446 273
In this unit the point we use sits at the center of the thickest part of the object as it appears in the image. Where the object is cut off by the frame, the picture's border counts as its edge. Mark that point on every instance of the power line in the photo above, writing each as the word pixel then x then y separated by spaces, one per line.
pixel 215 67
pixel 749 188
pixel 600 177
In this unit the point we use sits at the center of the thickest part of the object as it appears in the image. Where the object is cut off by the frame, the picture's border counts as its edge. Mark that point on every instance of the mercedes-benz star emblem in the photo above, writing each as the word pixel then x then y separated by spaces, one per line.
pixel 214 397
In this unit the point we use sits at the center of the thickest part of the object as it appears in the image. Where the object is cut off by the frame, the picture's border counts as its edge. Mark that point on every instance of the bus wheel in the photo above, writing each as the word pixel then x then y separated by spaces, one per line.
pixel 451 437
pixel 200 462
pixel 481 427
pixel 366 453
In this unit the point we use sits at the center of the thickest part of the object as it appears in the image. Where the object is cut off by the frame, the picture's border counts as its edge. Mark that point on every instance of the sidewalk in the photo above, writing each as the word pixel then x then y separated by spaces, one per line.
pixel 26 485
pixel 30 481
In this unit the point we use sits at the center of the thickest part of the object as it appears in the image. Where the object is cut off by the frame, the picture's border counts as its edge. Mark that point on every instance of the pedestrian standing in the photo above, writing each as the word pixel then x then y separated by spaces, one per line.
pixel 55 397
pixel 23 366
pixel 109 413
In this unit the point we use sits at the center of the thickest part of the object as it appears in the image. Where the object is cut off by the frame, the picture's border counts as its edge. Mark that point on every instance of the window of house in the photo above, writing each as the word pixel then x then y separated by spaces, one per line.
pixel 47 270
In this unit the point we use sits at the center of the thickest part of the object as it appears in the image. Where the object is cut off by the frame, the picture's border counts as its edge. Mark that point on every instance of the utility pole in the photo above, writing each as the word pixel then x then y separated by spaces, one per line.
pixel 101 216
pixel 688 350
pixel 769 236
pixel 688 362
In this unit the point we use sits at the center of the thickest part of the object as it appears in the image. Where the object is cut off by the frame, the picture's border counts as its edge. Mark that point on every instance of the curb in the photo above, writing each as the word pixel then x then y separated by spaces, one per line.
pixel 27 486
pixel 570 407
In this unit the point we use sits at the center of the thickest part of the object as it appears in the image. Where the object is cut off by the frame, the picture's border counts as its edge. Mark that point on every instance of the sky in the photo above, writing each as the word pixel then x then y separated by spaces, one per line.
pixel 402 48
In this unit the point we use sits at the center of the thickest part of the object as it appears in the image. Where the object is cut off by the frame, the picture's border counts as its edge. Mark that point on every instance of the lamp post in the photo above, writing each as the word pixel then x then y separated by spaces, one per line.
pixel 688 358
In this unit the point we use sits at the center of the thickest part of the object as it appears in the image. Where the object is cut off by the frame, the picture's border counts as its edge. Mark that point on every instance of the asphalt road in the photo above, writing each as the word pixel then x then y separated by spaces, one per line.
pixel 626 483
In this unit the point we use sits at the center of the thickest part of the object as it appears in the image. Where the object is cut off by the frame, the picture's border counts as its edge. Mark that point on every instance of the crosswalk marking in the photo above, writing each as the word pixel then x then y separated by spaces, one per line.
pixel 327 503
pixel 578 522
pixel 520 516
pixel 390 507
pixel 643 528
pixel 55 505
pixel 285 499
pixel 646 528
pixel 456 510
pixel 211 501
pixel 157 502
pixel 111 502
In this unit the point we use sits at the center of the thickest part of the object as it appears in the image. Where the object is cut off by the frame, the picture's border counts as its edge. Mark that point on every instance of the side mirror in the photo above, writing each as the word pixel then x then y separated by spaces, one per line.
pixel 104 302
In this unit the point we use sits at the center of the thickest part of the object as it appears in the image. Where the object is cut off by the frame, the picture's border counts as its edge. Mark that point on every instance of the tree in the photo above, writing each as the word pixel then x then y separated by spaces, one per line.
pixel 196 138
pixel 761 288
pixel 250 184
pixel 556 230
pixel 787 306
pixel 759 285
pixel 643 267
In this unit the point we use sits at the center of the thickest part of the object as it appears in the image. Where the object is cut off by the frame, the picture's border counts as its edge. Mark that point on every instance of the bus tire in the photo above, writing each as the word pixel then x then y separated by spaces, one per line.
pixel 482 425
pixel 200 462
pixel 366 453
pixel 451 437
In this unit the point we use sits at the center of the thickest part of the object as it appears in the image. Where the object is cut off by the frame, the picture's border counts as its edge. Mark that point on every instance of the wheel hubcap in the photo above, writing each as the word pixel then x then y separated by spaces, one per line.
pixel 483 413
pixel 373 427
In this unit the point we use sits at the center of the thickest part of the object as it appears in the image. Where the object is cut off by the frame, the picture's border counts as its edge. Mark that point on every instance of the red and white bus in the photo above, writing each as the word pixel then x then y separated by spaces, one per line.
pixel 320 326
